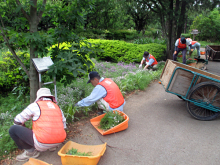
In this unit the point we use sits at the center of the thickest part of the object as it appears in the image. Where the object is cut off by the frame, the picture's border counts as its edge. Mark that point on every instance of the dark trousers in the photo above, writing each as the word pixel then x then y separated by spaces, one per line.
pixel 22 136
pixel 183 53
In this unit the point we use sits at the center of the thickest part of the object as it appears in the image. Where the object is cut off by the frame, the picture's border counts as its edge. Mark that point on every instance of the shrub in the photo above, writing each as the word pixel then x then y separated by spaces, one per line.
pixel 152 32
pixel 11 73
pixel 208 26
pixel 116 51
pixel 186 35
pixel 70 60
pixel 148 40
pixel 121 34
pixel 108 34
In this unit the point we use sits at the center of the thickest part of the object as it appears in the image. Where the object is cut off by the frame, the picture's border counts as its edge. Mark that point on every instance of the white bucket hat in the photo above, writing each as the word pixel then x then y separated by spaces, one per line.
pixel 44 92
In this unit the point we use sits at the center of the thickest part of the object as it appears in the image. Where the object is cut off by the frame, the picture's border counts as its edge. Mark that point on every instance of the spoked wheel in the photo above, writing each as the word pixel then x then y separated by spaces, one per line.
pixel 207 94
pixel 207 54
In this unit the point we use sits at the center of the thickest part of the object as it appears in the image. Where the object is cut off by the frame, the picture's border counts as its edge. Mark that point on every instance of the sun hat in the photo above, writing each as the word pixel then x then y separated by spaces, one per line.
pixel 92 75
pixel 44 92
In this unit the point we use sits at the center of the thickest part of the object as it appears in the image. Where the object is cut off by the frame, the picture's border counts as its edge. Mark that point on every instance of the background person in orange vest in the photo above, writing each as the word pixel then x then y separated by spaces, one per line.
pixel 48 126
pixel 149 59
pixel 106 93
pixel 196 45
pixel 181 45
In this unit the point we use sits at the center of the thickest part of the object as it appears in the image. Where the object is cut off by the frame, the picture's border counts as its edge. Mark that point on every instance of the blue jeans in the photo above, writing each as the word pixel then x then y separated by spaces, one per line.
pixel 197 46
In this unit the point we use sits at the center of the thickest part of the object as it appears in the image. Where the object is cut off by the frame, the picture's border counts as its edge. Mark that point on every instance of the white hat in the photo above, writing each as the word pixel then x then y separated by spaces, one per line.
pixel 44 92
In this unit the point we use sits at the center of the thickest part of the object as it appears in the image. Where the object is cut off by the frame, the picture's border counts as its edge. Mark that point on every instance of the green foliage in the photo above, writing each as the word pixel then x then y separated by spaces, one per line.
pixel 153 33
pixel 74 151
pixel 208 26
pixel 108 34
pixel 70 60
pixel 110 120
pixel 186 35
pixel 11 73
pixel 116 51
pixel 189 61
pixel 10 106
pixel 121 34
pixel 147 40
pixel 204 43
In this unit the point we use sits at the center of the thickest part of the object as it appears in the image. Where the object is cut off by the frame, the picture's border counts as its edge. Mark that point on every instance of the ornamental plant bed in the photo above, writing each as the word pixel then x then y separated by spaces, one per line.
pixel 116 128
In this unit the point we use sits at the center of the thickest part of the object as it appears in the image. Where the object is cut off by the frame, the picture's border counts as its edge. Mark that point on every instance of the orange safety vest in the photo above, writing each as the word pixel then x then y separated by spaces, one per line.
pixel 152 57
pixel 114 96
pixel 180 45
pixel 193 42
pixel 48 128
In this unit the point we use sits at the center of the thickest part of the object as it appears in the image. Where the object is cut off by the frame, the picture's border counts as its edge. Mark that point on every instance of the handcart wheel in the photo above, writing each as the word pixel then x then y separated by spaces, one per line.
pixel 181 97
pixel 206 93
pixel 207 54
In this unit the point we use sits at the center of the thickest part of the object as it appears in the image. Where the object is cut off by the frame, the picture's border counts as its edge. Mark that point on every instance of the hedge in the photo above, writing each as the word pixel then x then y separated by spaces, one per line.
pixel 116 51
pixel 11 73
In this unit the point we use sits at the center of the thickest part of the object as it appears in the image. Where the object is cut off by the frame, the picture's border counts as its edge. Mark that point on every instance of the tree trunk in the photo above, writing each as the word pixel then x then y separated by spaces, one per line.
pixel 34 79
pixel 181 22
pixel 170 32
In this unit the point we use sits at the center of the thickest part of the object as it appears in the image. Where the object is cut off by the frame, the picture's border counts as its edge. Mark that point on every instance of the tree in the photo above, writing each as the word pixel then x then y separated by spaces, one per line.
pixel 172 14
pixel 33 18
pixel 104 14
pixel 139 12
pixel 28 36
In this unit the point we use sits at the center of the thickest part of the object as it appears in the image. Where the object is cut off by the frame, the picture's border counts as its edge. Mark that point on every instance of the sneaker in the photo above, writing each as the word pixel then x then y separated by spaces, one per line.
pixel 26 155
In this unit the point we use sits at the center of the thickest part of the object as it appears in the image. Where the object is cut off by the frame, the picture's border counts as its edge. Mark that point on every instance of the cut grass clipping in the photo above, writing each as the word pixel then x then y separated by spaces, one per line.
pixel 110 120
pixel 74 151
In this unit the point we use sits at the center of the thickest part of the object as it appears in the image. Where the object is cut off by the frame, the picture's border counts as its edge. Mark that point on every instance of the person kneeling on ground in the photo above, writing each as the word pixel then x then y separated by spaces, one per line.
pixel 150 61
pixel 47 130
pixel 106 93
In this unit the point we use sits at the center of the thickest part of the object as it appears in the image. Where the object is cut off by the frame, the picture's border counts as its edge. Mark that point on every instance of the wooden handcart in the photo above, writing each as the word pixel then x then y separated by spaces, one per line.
pixel 200 89
pixel 212 52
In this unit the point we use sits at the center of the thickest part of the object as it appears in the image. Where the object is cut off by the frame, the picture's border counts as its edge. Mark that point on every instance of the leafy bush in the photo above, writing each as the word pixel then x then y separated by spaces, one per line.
pixel 116 51
pixel 11 73
pixel 186 35
pixel 208 26
pixel 121 34
pixel 152 32
pixel 147 40
pixel 70 61
pixel 107 34
pixel 10 106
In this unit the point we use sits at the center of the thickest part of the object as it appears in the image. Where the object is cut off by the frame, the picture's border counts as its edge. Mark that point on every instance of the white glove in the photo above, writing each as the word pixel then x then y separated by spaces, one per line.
pixel 140 66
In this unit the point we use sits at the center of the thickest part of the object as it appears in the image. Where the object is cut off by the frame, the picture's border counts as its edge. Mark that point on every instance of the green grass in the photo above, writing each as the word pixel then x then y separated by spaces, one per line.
pixel 204 43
